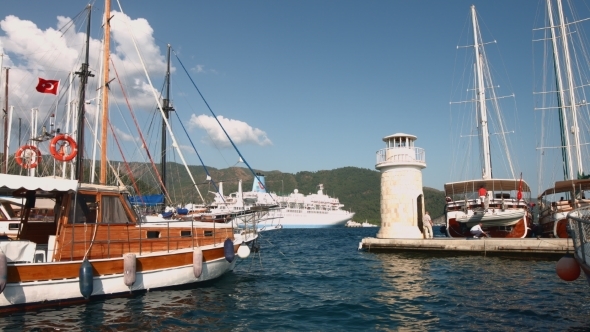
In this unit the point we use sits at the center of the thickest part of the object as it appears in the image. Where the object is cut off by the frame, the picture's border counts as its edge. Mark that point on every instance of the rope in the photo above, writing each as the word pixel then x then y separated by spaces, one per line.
pixel 159 178
pixel 218 122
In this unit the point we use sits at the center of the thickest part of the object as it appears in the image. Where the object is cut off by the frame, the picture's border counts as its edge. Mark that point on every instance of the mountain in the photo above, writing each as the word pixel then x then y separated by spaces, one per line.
pixel 358 189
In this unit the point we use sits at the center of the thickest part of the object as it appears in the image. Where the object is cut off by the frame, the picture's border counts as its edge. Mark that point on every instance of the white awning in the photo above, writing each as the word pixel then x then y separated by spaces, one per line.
pixel 15 182
pixel 462 187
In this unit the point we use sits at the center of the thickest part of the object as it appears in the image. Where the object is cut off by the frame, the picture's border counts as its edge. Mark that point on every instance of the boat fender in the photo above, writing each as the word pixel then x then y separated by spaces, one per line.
pixel 243 251
pixel 129 269
pixel 567 268
pixel 228 250
pixel 3 271
pixel 86 279
pixel 198 262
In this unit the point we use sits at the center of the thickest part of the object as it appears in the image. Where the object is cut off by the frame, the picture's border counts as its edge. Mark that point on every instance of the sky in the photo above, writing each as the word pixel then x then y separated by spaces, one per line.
pixel 299 85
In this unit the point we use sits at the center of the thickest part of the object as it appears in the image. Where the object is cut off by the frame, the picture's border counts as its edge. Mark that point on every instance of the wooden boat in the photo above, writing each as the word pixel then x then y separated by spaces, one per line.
pixel 96 243
pixel 95 225
pixel 504 215
pixel 504 211
pixel 565 134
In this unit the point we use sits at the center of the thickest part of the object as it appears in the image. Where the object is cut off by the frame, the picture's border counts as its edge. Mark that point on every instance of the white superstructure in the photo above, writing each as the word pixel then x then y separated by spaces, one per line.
pixel 294 211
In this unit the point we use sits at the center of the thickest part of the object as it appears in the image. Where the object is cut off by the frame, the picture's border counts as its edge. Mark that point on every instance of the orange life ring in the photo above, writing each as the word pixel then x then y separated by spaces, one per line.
pixel 18 156
pixel 61 155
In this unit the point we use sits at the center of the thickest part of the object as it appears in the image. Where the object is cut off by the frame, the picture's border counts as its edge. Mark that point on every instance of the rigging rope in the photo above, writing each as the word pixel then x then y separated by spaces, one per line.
pixel 218 122
pixel 159 178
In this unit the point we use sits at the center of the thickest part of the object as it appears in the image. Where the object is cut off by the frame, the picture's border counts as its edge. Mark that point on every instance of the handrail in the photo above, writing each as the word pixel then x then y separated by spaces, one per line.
pixel 401 154
pixel 579 231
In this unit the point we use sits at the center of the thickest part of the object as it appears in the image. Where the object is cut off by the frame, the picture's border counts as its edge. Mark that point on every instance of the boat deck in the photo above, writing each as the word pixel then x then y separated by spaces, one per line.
pixel 524 248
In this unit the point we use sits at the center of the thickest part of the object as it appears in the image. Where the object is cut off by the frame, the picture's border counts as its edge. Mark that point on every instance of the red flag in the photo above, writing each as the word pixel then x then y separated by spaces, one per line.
pixel 47 86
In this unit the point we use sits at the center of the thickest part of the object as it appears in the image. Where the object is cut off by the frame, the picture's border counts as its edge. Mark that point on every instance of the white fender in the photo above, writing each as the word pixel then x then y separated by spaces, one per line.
pixel 197 262
pixel 129 269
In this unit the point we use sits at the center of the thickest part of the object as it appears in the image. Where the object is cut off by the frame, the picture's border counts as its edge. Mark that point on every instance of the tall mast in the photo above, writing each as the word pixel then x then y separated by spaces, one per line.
pixel 572 94
pixel 481 99
pixel 84 73
pixel 167 109
pixel 565 140
pixel 105 92
pixel 5 170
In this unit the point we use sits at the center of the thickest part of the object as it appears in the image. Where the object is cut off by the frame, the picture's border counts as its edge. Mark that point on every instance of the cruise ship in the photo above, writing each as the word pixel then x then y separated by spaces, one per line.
pixel 294 211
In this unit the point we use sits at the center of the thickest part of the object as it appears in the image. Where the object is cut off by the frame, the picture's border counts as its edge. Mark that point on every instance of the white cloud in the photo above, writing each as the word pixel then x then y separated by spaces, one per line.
pixel 32 52
pixel 239 131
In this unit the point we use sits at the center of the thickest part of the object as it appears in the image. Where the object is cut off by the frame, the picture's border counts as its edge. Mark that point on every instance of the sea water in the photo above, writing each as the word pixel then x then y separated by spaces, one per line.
pixel 317 280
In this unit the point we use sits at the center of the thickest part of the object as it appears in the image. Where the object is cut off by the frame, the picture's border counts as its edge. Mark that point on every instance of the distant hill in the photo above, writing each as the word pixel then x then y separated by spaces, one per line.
pixel 358 189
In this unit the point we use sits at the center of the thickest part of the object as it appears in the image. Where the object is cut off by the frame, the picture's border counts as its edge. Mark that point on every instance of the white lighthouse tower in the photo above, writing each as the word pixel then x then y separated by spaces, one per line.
pixel 402 199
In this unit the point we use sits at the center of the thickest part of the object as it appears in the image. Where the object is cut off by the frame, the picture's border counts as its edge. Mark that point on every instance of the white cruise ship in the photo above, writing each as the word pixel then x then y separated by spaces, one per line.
pixel 296 210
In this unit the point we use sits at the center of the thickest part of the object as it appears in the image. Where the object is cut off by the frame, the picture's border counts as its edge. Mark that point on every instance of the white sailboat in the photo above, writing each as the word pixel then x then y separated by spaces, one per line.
pixel 504 212
pixel 565 122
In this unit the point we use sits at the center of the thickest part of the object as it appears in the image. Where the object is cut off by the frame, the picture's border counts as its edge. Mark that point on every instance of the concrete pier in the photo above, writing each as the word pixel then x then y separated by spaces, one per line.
pixel 524 248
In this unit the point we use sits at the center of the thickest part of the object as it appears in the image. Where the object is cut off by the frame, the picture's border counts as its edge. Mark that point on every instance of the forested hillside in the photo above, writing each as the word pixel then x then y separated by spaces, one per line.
pixel 357 188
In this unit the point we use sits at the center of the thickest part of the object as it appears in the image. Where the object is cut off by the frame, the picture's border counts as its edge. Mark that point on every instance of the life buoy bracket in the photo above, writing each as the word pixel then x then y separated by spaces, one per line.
pixel 59 154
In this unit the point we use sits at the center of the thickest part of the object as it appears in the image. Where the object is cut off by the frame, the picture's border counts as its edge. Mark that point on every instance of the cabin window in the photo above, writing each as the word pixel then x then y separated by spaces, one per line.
pixel 86 209
pixel 13 226
pixel 208 233
pixel 185 233
pixel 113 211
pixel 153 234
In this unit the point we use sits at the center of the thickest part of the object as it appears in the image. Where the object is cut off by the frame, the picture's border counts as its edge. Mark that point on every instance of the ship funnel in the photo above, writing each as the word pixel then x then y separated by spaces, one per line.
pixel 258 185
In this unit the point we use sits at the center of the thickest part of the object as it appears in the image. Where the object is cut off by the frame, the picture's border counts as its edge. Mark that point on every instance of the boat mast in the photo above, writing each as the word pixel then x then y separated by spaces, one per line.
pixel 571 94
pixel 565 140
pixel 167 109
pixel 5 170
pixel 481 99
pixel 105 92
pixel 84 73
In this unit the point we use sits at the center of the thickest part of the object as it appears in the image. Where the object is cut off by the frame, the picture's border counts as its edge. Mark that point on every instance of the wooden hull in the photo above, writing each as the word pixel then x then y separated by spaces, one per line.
pixel 34 285
pixel 460 230
pixel 555 225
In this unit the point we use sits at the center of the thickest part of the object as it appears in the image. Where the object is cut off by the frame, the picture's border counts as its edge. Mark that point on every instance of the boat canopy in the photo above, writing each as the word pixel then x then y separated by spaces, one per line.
pixel 567 186
pixel 463 187
pixel 15 182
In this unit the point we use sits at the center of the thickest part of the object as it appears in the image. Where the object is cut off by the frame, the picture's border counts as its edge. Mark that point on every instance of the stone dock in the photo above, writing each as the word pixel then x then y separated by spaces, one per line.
pixel 517 248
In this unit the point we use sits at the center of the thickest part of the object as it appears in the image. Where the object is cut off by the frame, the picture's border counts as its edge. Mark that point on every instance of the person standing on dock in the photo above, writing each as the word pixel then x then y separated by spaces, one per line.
pixel 427 226
pixel 477 232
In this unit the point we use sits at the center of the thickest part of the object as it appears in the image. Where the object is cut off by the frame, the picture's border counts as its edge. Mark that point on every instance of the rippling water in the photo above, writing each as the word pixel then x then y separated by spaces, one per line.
pixel 316 280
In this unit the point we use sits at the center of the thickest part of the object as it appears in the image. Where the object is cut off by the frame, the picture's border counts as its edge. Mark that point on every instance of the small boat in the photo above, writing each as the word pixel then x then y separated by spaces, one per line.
pixel 499 204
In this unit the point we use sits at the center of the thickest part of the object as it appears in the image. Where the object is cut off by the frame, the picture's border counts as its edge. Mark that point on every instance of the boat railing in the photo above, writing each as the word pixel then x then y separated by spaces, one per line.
pixel 579 231
pixel 401 154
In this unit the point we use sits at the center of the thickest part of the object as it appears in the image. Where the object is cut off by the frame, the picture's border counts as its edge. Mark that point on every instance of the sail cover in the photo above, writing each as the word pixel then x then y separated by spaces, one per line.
pixel 147 200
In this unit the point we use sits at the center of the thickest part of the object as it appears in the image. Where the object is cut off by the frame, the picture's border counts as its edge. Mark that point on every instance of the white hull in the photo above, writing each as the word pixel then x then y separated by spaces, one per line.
pixel 68 289
pixel 489 218
pixel 315 219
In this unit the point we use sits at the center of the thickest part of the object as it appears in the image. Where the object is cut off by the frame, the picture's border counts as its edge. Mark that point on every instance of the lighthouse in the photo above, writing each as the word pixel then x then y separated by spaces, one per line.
pixel 402 198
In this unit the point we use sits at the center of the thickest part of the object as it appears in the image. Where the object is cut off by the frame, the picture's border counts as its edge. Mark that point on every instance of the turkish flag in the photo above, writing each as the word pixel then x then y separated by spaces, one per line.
pixel 47 86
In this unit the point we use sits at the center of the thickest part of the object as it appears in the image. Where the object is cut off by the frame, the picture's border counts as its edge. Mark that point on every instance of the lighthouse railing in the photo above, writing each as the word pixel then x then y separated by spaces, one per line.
pixel 401 154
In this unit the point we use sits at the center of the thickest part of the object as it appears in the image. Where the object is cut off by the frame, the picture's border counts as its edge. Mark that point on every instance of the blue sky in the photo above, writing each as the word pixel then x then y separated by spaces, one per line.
pixel 316 85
